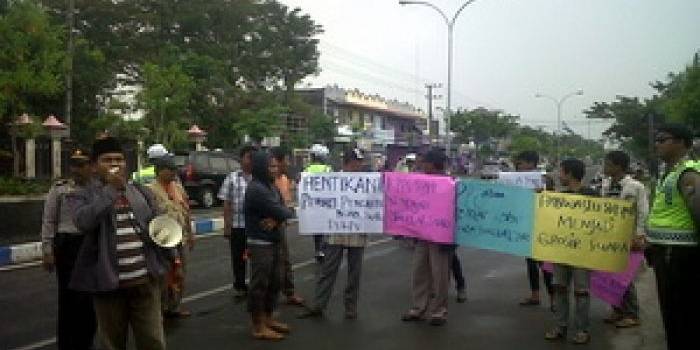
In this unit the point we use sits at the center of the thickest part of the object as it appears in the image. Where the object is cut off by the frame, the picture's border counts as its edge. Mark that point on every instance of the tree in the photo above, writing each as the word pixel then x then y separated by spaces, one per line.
pixel 165 96
pixel 521 143
pixel 682 96
pixel 259 123
pixel 31 60
pixel 483 126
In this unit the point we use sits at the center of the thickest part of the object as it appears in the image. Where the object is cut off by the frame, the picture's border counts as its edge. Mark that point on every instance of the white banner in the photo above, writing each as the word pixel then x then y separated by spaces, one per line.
pixel 340 203
pixel 527 179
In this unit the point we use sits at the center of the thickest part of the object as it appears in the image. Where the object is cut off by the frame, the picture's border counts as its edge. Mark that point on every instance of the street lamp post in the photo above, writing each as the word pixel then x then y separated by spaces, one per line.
pixel 559 102
pixel 450 29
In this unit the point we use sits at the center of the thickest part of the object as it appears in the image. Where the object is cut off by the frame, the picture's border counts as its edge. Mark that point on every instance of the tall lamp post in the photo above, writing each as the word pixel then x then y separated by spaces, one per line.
pixel 559 102
pixel 450 29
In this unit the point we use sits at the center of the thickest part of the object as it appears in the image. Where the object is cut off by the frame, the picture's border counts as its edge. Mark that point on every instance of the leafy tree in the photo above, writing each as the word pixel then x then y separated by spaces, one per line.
pixel 31 60
pixel 482 126
pixel 259 123
pixel 165 96
pixel 521 143
pixel 682 96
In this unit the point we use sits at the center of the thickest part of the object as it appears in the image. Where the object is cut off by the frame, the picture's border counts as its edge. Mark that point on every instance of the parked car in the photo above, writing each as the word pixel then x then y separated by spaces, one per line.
pixel 203 172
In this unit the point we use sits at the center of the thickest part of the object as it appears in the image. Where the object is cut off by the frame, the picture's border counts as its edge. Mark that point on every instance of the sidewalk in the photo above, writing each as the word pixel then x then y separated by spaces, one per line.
pixel 31 251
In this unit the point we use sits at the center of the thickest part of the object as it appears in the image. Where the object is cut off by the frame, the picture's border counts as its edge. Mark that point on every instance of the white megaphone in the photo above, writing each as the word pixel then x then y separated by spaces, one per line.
pixel 165 231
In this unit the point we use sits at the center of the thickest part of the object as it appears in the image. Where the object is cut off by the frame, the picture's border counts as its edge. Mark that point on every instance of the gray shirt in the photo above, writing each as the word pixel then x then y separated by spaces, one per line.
pixel 57 217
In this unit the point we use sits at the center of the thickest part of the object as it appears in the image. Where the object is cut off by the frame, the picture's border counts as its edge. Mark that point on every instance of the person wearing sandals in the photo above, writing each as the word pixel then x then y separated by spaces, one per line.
pixel 571 172
pixel 431 264
pixel 527 161
pixel 283 185
pixel 354 244
pixel 623 186
pixel 265 215
pixel 170 196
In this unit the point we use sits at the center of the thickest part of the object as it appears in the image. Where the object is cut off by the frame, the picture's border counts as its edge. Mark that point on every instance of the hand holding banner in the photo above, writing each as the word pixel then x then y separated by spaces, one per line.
pixel 420 206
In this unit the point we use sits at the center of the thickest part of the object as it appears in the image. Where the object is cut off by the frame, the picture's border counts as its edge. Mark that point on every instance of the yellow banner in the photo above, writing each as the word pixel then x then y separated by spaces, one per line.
pixel 583 231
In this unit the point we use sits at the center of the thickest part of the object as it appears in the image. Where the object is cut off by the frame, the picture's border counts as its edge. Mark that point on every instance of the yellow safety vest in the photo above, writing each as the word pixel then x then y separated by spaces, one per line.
pixel 670 222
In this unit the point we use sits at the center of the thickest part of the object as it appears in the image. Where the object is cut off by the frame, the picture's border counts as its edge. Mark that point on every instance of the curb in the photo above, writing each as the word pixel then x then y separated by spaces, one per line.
pixel 27 252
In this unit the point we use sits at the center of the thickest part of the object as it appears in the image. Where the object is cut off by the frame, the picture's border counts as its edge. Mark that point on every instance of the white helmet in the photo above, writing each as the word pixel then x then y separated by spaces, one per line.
pixel 319 150
pixel 156 151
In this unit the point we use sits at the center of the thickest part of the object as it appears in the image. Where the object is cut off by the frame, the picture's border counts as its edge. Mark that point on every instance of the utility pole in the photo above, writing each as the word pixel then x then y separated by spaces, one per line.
pixel 430 96
pixel 69 64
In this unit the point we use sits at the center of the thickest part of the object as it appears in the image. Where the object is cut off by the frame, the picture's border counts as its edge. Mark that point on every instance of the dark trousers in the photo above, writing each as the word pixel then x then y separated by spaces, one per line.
pixel 237 243
pixel 287 276
pixel 533 275
pixel 329 273
pixel 76 315
pixel 677 279
pixel 456 266
pixel 264 278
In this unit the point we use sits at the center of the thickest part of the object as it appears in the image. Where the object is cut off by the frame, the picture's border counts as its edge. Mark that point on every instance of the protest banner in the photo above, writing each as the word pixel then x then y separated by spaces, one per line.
pixel 347 203
pixel 495 216
pixel 583 231
pixel 420 206
pixel 527 179
pixel 610 286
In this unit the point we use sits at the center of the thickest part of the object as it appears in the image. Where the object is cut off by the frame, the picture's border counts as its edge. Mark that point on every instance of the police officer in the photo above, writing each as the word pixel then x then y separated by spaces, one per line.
pixel 148 174
pixel 61 241
pixel 318 165
pixel 673 236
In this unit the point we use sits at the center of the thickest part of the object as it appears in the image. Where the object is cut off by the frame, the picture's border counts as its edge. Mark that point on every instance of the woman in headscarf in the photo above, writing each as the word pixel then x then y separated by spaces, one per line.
pixel 265 215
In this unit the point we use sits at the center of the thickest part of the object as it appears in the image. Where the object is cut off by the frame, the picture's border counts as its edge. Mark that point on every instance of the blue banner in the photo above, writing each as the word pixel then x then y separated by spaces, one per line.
pixel 495 216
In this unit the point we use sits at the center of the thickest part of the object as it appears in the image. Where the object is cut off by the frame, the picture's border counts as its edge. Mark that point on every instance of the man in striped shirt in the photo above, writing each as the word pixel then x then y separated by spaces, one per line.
pixel 118 262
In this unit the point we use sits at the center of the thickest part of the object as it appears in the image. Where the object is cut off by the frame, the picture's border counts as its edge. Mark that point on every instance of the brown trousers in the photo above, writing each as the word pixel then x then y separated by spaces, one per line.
pixel 431 278
pixel 137 307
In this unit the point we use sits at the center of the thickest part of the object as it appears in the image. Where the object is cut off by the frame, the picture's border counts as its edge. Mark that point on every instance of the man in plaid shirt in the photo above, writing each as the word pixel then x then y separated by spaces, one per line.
pixel 232 193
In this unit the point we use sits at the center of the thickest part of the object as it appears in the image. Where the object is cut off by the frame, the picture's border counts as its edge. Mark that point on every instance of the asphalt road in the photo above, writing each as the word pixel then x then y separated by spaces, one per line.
pixel 490 319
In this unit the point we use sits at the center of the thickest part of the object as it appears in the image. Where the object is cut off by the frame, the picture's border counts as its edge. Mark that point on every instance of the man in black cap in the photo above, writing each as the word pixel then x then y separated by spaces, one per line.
pixel 118 262
pixel 61 241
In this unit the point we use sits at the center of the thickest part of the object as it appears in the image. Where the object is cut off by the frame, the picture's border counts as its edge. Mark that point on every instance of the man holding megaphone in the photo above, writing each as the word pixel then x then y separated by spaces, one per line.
pixel 118 262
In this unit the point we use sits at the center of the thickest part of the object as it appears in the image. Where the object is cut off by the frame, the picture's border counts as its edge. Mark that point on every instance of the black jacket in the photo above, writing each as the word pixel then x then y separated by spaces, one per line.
pixel 262 200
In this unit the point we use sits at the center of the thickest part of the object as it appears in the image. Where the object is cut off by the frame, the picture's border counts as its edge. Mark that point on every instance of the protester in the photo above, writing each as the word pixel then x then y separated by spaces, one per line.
pixel 458 275
pixel 431 263
pixel 673 234
pixel 527 161
pixel 170 196
pixel 354 244
pixel 118 262
pixel 318 165
pixel 265 214
pixel 571 172
pixel 622 185
pixel 284 185
pixel 60 242
pixel 232 193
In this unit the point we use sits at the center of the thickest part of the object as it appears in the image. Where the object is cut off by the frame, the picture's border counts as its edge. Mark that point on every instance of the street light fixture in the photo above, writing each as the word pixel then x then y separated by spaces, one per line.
pixel 559 102
pixel 450 29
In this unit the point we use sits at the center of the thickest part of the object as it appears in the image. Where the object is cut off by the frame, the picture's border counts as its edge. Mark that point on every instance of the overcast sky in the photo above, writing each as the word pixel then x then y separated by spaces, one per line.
pixel 507 50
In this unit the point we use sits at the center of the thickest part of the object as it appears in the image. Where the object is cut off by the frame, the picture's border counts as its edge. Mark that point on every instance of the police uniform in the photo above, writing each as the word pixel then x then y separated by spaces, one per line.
pixel 62 241
pixel 674 254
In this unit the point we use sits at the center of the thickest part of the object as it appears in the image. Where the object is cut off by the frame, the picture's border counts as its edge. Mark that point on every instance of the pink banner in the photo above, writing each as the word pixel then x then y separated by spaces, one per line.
pixel 420 206
pixel 611 287
pixel 608 286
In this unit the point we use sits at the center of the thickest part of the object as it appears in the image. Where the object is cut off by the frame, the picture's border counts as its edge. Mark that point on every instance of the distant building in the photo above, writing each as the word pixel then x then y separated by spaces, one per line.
pixel 374 120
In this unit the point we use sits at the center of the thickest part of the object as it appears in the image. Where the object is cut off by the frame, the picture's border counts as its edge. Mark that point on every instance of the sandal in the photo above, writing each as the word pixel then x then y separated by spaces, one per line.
pixel 278 327
pixel 267 334
pixel 581 337
pixel 556 333
pixel 412 315
pixel 295 300
pixel 529 302
pixel 177 314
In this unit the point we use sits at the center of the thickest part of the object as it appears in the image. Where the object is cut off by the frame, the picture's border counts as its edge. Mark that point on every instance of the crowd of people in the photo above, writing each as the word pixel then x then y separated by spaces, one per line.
pixel 114 278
